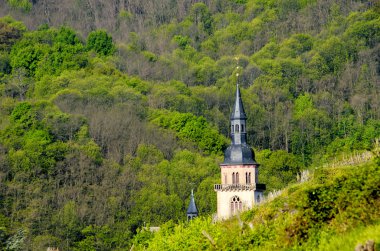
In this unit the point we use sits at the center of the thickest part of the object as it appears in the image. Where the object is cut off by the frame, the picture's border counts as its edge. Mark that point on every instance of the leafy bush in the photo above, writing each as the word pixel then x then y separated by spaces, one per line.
pixel 100 42
pixel 278 168
pixel 192 128
pixel 23 5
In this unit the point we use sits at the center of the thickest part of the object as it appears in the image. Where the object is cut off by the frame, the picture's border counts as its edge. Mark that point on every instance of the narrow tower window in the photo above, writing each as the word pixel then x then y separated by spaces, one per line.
pixel 237 178
pixel 248 178
pixel 242 128
pixel 236 205
pixel 237 128
pixel 233 178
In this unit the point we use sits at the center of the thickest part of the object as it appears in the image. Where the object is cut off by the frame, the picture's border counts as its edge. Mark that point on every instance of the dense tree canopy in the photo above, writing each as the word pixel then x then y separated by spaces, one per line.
pixel 107 126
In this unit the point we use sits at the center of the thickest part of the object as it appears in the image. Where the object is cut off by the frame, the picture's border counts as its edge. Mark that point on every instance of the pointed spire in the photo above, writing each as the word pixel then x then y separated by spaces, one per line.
pixel 238 112
pixel 192 210
pixel 239 152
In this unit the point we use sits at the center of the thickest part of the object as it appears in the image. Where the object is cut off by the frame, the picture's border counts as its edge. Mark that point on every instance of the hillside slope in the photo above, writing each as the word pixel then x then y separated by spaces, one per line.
pixel 336 209
pixel 104 131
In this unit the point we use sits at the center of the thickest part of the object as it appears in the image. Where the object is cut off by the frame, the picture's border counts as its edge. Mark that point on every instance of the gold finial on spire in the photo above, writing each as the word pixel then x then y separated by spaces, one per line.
pixel 237 70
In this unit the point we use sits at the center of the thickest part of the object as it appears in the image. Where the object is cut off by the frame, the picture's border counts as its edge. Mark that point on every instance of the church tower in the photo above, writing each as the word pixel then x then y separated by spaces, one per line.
pixel 239 189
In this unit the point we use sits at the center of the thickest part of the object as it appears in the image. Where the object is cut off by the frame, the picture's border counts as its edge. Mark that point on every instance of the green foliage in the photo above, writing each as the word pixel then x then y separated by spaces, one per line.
pixel 142 237
pixel 192 128
pixel 278 168
pixel 100 42
pixel 354 137
pixel 95 238
pixel 62 57
pixel 365 28
pixel 5 67
pixel 21 113
pixel 240 1
pixel 296 45
pixel 23 5
pixel 149 154
pixel 313 215
pixel 13 23
pixel 27 56
pixel 313 127
pixel 66 35
pixel 30 145
pixel 206 201
pixel 206 72
pixel 82 166
pixel 165 185
pixel 181 41
pixel 48 52
pixel 346 241
pixel 201 16
pixel 4 230
pixel 68 222
pixel 10 31
pixel 269 51
pixel 155 206
pixel 334 53
pixel 17 241
pixel 42 242
pixel 236 32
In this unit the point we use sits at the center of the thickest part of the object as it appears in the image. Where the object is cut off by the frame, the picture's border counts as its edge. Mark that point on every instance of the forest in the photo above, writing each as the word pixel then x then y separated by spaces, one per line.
pixel 111 112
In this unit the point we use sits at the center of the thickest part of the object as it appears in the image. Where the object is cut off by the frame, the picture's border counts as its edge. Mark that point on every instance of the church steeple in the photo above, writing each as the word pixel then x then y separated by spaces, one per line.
pixel 239 188
pixel 238 112
pixel 192 210
pixel 239 152
pixel 238 120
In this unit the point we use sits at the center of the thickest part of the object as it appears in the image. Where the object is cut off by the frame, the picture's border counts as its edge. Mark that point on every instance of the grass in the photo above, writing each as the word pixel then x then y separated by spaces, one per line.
pixel 349 240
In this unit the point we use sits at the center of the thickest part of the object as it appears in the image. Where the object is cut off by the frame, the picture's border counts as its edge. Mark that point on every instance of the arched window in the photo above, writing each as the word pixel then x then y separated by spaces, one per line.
pixel 233 178
pixel 232 128
pixel 242 128
pixel 236 205
pixel 248 178
pixel 237 128
pixel 237 178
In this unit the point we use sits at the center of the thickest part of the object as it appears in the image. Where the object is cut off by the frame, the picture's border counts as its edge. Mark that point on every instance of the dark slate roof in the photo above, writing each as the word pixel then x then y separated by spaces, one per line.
pixel 192 209
pixel 239 154
pixel 238 112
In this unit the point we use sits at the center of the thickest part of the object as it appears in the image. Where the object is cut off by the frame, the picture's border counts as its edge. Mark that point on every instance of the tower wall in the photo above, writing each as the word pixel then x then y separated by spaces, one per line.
pixel 248 199
pixel 227 172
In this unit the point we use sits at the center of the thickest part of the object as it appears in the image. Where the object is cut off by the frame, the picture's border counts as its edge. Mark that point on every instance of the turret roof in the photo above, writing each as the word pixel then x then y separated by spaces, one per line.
pixel 192 209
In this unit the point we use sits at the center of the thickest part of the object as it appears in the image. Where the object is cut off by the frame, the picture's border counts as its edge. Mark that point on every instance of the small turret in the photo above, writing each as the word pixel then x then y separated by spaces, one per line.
pixel 192 210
